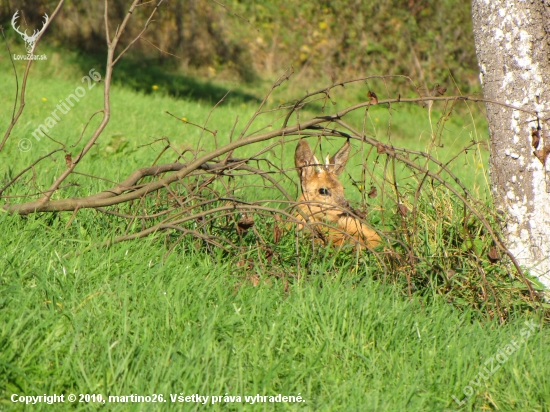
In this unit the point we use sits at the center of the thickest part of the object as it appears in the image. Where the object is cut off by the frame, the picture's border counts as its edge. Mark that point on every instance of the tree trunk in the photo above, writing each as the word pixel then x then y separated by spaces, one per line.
pixel 512 50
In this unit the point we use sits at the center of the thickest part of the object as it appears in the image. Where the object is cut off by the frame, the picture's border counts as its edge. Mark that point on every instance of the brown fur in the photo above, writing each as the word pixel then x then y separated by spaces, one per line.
pixel 323 198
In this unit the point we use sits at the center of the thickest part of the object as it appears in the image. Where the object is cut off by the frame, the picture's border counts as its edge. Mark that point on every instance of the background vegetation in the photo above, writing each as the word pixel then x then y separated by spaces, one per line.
pixel 429 40
pixel 140 317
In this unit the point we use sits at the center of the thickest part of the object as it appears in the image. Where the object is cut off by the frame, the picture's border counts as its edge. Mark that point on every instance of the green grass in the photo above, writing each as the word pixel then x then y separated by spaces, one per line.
pixel 124 320
pixel 132 319
pixel 139 117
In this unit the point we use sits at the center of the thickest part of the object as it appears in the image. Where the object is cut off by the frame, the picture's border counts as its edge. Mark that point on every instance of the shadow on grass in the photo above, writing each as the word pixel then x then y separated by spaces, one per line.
pixel 147 75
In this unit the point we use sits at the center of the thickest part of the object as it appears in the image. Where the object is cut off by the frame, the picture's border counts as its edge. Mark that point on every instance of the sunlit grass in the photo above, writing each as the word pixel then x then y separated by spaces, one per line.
pixel 132 319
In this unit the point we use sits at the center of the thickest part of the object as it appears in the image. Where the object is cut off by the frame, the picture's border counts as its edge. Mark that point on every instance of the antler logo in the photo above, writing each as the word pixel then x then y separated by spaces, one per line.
pixel 29 40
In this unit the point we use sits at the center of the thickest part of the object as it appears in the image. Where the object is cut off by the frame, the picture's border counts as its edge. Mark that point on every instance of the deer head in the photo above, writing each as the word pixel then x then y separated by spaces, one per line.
pixel 29 40
pixel 323 198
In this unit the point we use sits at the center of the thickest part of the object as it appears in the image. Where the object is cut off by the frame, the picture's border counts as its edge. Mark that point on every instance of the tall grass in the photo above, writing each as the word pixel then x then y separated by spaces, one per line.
pixel 134 319
pixel 128 320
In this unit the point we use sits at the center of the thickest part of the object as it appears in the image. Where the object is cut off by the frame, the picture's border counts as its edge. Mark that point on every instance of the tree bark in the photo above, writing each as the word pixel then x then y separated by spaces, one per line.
pixel 512 49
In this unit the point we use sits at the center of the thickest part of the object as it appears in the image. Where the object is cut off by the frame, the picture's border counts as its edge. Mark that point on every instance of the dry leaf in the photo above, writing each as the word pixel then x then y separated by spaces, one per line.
pixel 542 154
pixel 277 233
pixel 244 224
pixel 535 135
pixel 403 210
pixel 373 192
pixel 440 90
pixel 359 213
pixel 255 279
pixel 493 255
pixel 373 99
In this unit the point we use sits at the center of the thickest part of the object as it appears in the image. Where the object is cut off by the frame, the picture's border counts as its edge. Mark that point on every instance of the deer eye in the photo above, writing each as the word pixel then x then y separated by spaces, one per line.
pixel 324 192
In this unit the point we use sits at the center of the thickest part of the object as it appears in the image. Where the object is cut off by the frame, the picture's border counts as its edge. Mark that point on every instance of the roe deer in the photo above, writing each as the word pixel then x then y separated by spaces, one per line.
pixel 323 199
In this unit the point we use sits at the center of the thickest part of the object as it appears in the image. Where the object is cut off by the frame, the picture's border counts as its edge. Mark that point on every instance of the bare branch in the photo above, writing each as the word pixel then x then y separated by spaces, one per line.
pixel 26 75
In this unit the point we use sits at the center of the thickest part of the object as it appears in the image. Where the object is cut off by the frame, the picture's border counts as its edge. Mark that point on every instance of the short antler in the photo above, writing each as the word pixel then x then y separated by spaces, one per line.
pixel 29 40
pixel 46 20
pixel 13 20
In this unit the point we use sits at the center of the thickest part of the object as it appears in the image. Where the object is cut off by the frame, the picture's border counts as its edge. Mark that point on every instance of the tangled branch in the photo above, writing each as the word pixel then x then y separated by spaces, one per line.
pixel 434 231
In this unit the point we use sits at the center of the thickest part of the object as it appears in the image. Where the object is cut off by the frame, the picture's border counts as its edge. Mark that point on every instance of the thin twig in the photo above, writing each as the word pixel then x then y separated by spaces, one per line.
pixel 26 75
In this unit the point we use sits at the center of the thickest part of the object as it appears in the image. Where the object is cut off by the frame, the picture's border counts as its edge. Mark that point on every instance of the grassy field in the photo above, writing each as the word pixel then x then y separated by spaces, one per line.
pixel 131 319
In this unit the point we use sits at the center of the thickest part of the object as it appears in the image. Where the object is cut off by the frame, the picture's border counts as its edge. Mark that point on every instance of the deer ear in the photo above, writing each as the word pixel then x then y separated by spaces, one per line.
pixel 305 160
pixel 303 155
pixel 340 158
